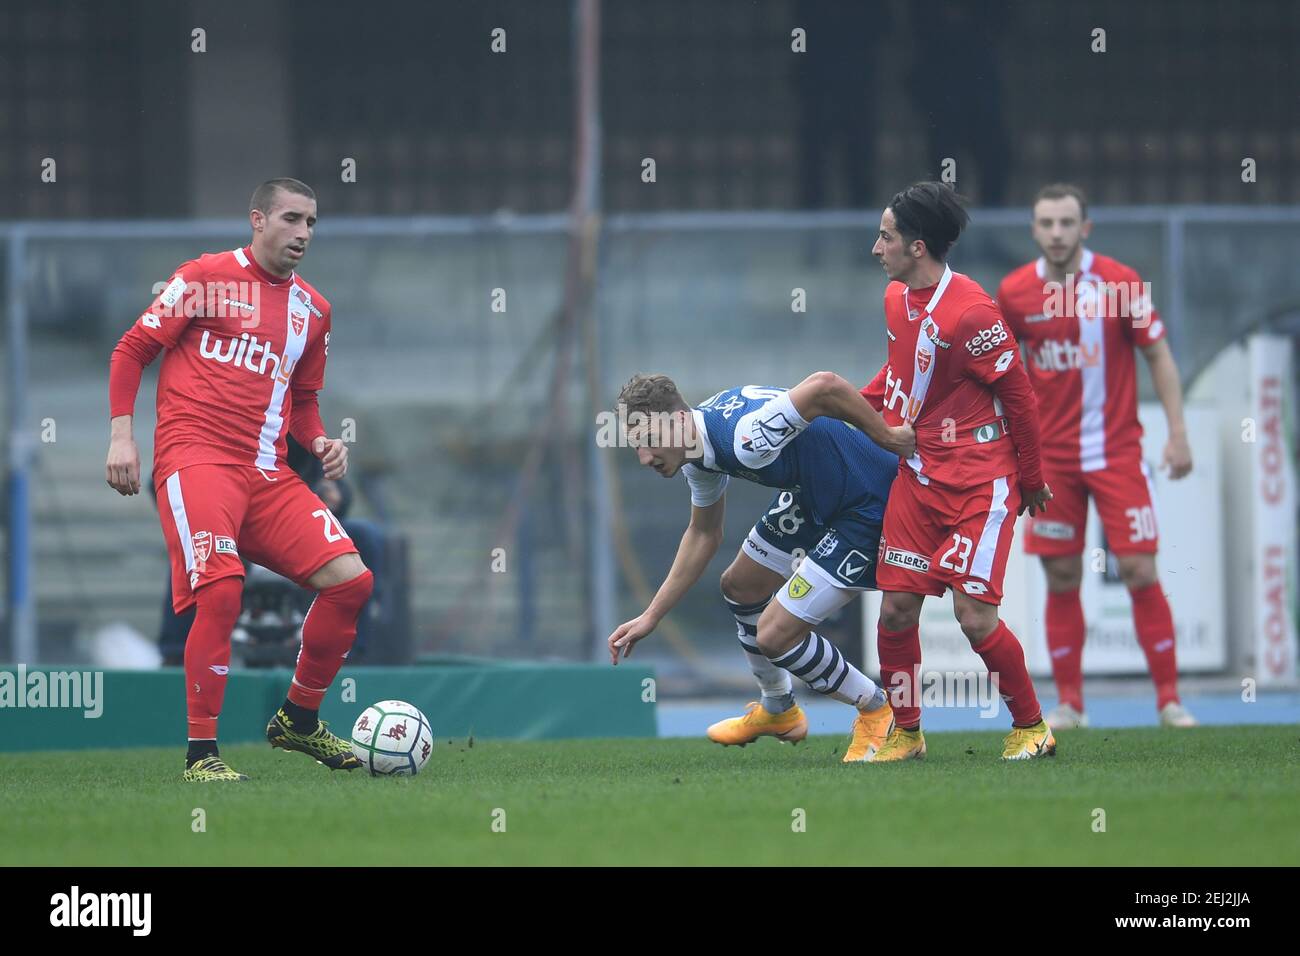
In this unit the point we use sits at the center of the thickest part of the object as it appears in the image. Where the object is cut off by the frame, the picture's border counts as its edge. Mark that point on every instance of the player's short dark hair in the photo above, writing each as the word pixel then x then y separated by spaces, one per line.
pixel 931 212
pixel 264 195
pixel 651 393
pixel 1064 191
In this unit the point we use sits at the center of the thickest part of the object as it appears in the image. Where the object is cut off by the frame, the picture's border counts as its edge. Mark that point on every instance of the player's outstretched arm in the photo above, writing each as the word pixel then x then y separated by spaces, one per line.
pixel 825 393
pixel 1164 376
pixel 699 544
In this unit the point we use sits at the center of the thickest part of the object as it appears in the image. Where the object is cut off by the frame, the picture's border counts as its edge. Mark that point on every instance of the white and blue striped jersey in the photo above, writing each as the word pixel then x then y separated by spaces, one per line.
pixel 754 432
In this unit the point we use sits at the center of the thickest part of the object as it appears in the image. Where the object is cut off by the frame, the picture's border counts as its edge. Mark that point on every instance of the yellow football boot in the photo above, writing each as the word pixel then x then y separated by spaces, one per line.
pixel 790 725
pixel 900 745
pixel 209 768
pixel 1027 743
pixel 870 730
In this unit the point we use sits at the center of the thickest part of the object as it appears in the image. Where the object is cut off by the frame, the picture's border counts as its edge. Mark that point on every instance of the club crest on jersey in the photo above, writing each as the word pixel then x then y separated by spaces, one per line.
pixel 827 545
pixel 299 304
pixel 923 357
pixel 202 541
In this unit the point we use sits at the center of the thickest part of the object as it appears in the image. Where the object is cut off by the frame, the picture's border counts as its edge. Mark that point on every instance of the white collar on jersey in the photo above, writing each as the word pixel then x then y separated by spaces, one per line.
pixel 710 460
pixel 1085 264
pixel 243 261
pixel 939 290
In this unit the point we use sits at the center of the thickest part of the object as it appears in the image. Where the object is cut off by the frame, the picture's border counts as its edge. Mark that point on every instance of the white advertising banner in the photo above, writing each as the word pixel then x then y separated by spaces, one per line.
pixel 1267 436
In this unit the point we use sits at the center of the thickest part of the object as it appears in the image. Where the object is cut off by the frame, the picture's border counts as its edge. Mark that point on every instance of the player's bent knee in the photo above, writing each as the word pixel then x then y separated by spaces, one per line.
pixel 977 622
pixel 354 592
pixel 340 570
pixel 738 590
pixel 221 601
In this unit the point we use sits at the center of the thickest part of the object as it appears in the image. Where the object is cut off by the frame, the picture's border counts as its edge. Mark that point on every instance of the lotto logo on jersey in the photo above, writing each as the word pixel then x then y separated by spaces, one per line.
pixel 906 559
pixel 1054 355
pixel 987 339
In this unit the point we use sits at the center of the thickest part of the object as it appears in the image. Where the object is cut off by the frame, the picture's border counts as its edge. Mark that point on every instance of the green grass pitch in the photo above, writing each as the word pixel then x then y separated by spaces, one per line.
pixel 1209 796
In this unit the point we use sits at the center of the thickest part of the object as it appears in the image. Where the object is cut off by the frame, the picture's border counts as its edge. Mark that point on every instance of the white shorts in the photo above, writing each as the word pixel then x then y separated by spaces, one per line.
pixel 812 594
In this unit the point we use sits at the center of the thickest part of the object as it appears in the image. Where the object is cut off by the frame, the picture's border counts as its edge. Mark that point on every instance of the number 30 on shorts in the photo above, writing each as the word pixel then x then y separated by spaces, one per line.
pixel 1142 522
pixel 333 530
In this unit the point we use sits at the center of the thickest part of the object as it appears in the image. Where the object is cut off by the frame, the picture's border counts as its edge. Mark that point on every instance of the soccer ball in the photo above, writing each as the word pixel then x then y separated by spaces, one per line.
pixel 392 738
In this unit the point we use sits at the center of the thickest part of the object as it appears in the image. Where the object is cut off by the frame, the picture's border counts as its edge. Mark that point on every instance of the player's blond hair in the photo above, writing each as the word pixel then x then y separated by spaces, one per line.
pixel 651 393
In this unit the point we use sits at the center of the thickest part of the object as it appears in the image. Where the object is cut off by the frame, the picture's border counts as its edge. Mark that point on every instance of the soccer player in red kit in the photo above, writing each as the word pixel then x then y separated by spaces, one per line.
pixel 954 373
pixel 245 340
pixel 1080 315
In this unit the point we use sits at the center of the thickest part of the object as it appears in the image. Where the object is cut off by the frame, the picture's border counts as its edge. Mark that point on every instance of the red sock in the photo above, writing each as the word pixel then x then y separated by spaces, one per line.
pixel 1155 632
pixel 900 673
pixel 327 636
pixel 1065 633
pixel 207 654
pixel 1005 658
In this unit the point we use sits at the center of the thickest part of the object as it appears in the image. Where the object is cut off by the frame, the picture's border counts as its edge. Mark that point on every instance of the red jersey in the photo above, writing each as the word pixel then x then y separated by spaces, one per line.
pixel 949 351
pixel 1080 336
pixel 241 346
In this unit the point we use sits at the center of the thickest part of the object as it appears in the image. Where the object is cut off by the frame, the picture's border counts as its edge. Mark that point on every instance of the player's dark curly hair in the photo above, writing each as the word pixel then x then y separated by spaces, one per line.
pixel 931 212
pixel 651 393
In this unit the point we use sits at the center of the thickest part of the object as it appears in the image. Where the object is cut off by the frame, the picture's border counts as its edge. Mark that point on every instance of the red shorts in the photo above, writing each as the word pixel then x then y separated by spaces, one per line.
pixel 937 538
pixel 1123 495
pixel 215 515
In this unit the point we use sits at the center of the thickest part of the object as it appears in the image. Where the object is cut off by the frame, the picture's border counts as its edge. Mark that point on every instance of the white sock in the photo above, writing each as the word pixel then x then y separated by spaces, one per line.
pixel 818 662
pixel 772 681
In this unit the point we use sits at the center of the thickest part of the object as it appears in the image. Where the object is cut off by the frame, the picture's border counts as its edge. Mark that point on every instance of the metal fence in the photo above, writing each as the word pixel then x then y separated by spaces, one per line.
pixel 473 402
